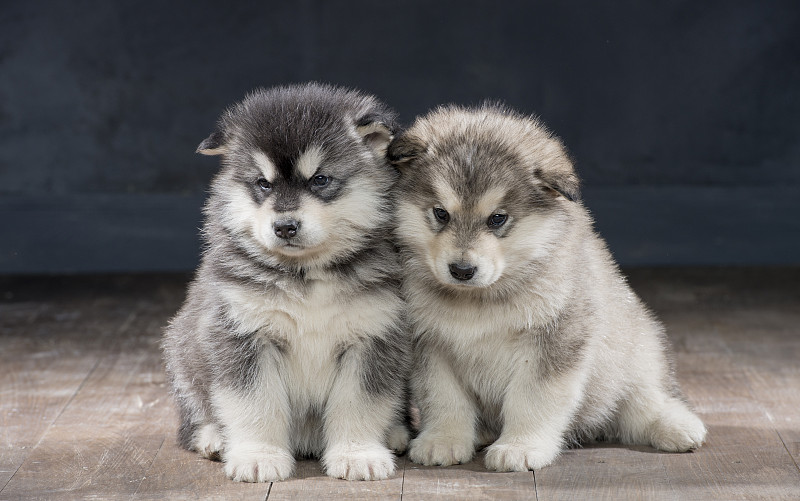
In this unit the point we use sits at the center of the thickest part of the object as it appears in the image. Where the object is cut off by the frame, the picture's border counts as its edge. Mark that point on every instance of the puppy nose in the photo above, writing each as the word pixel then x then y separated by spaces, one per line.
pixel 462 271
pixel 286 229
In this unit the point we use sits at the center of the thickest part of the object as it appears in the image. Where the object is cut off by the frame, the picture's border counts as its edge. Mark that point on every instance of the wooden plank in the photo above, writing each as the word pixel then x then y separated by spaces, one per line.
pixel 470 480
pixel 744 457
pixel 47 353
pixel 177 474
pixel 112 435
pixel 310 482
pixel 778 391
pixel 606 471
pixel 103 441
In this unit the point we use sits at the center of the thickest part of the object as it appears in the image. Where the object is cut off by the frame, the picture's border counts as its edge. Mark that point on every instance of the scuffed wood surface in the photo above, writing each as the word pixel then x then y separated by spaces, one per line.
pixel 85 412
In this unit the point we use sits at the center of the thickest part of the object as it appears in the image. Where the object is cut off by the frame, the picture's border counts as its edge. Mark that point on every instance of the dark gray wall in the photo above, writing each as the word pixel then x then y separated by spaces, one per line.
pixel 683 117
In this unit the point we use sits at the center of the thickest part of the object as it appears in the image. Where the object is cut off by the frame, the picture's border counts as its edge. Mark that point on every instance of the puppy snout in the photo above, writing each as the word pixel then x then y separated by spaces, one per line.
pixel 287 228
pixel 462 271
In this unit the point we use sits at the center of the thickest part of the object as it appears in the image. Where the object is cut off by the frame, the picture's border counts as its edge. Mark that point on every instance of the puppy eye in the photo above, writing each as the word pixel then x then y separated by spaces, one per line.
pixel 497 220
pixel 319 181
pixel 441 215
pixel 264 184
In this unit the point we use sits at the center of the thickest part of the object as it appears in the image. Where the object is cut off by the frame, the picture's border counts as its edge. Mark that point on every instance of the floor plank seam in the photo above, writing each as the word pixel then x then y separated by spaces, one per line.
pixel 50 425
pixel 403 480
pixel 149 468
pixel 752 393
pixel 787 450
pixel 737 349
pixel 665 472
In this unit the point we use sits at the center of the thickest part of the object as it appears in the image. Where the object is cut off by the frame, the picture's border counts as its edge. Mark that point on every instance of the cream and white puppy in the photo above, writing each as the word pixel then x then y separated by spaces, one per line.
pixel 527 337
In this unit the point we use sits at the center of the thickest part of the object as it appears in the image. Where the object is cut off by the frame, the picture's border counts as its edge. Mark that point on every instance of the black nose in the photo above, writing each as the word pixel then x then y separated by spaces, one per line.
pixel 462 271
pixel 286 229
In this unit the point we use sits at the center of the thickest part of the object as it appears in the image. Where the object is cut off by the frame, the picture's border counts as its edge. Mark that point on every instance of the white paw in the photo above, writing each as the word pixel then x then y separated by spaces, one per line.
pixel 677 430
pixel 208 441
pixel 431 449
pixel 520 456
pixel 397 438
pixel 259 464
pixel 359 462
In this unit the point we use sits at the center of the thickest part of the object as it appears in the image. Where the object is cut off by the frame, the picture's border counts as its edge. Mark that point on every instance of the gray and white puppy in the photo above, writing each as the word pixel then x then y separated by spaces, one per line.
pixel 292 340
pixel 526 334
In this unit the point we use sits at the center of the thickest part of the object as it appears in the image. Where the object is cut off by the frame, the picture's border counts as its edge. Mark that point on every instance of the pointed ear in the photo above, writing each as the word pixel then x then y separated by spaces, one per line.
pixel 213 144
pixel 563 182
pixel 375 133
pixel 404 149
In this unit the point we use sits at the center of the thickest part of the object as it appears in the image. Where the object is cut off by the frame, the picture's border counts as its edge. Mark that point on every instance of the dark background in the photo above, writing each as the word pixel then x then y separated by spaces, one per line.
pixel 683 117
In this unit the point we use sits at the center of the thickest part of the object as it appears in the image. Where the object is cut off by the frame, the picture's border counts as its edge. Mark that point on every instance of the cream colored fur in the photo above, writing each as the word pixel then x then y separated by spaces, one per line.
pixel 546 344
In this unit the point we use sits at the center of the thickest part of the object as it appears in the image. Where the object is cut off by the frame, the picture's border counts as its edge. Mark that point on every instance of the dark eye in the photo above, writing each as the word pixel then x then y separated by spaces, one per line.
pixel 264 184
pixel 497 220
pixel 319 181
pixel 441 215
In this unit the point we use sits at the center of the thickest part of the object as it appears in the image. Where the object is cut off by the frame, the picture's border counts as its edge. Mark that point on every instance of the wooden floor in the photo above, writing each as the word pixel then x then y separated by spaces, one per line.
pixel 85 414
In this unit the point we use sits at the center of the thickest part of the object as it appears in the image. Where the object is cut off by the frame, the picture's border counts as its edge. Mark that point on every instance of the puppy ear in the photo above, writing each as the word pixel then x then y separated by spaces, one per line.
pixel 563 182
pixel 375 133
pixel 213 144
pixel 404 149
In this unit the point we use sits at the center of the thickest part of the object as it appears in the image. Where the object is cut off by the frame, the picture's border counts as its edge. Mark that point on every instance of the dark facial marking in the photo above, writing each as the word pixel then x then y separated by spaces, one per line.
pixel 328 190
pixel 287 197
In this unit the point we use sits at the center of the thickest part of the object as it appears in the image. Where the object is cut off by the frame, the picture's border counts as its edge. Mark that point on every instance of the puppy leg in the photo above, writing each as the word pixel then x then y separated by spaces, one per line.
pixel 398 436
pixel 536 414
pixel 358 417
pixel 650 416
pixel 208 441
pixel 448 414
pixel 198 430
pixel 256 428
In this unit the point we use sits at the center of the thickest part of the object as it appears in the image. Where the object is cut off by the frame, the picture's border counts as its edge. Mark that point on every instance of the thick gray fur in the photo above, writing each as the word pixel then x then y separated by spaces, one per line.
pixel 271 339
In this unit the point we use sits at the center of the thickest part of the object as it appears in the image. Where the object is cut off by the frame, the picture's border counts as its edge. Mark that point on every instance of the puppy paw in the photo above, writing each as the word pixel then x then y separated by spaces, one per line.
pixel 678 430
pixel 359 462
pixel 520 456
pixel 262 464
pixel 397 438
pixel 208 442
pixel 431 449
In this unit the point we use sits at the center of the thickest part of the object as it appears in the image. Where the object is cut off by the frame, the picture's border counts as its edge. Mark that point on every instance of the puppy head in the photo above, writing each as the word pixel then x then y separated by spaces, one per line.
pixel 304 180
pixel 483 193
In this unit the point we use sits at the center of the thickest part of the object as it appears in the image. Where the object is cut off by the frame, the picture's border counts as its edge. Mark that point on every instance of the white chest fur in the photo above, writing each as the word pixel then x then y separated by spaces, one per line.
pixel 313 327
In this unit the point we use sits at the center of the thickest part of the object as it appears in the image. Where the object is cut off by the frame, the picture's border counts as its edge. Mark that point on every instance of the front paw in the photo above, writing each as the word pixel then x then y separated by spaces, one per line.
pixel 261 464
pixel 208 442
pixel 520 456
pixel 677 431
pixel 431 449
pixel 359 462
pixel 397 438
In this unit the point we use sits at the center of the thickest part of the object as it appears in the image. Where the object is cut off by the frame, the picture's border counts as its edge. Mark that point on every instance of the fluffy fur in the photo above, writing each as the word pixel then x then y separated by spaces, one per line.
pixel 526 335
pixel 292 340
